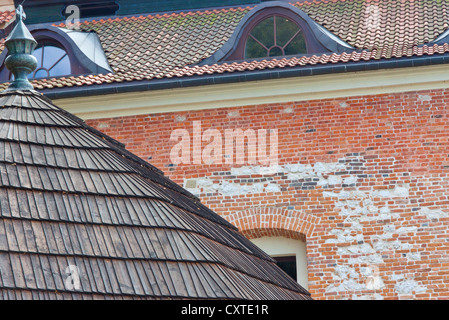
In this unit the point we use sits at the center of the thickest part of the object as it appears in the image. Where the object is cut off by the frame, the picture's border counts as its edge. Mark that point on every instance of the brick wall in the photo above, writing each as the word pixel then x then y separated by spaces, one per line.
pixel 364 180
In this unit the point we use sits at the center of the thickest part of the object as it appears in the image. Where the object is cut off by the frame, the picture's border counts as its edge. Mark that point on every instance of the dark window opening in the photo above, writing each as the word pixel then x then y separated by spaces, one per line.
pixel 288 264
pixel 275 36
pixel 96 9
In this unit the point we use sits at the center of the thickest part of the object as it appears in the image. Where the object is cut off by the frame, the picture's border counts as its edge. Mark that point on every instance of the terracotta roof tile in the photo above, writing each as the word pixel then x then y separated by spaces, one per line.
pixel 370 24
pixel 170 45
pixel 6 16
pixel 398 52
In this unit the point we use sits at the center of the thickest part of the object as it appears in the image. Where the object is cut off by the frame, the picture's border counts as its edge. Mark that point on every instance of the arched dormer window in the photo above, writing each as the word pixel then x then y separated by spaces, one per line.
pixel 52 60
pixel 275 29
pixel 275 36
pixel 63 52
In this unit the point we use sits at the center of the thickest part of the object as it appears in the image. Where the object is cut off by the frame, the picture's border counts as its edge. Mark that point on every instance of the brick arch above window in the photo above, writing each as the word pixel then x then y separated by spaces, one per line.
pixel 316 38
pixel 270 221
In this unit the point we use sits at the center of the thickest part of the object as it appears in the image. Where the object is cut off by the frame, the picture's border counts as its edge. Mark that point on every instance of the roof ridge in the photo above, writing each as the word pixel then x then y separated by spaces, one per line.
pixel 168 14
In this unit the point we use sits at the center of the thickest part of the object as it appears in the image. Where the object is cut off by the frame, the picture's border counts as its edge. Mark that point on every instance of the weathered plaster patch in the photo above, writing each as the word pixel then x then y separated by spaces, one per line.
pixel 180 118
pixel 349 279
pixel 358 207
pixel 433 213
pixel 401 191
pixel 374 296
pixel 409 286
pixel 224 187
pixel 227 186
pixel 423 98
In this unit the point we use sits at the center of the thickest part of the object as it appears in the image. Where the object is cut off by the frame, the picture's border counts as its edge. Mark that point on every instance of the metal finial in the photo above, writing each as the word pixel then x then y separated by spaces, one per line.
pixel 20 13
pixel 20 61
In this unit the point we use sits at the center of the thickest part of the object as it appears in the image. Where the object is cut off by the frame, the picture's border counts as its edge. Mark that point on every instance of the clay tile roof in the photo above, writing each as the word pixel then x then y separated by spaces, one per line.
pixel 369 24
pixel 142 48
pixel 72 196
pixel 6 16
pixel 310 60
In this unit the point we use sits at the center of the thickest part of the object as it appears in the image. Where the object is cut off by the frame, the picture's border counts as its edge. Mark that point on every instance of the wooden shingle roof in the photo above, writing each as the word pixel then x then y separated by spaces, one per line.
pixel 71 196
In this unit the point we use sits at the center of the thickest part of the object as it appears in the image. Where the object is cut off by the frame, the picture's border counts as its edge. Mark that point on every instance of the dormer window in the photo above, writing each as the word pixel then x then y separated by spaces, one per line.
pixel 276 29
pixel 275 36
pixel 63 52
pixel 52 61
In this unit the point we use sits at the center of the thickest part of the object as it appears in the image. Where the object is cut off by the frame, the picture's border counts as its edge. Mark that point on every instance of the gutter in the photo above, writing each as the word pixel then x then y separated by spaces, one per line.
pixel 237 77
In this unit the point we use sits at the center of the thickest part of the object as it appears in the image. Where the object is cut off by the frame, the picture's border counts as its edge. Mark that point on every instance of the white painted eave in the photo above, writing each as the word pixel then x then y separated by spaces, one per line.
pixel 259 92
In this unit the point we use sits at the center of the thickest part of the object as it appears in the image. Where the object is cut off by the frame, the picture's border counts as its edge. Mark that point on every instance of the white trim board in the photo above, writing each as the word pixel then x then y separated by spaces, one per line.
pixel 293 89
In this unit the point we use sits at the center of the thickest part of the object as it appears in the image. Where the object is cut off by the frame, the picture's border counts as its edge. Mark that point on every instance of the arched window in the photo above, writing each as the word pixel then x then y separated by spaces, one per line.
pixel 276 29
pixel 275 36
pixel 52 60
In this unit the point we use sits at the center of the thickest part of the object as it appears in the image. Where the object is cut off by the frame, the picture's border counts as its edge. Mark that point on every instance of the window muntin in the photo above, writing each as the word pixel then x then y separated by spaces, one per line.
pixel 275 36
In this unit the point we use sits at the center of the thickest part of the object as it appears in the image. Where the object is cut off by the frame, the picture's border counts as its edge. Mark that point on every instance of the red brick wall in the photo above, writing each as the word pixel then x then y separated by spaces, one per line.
pixel 364 180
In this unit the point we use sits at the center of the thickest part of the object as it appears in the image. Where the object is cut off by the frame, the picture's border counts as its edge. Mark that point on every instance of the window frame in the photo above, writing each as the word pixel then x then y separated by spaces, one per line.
pixel 312 44
pixel 275 37
pixel 279 246
pixel 49 43
pixel 58 41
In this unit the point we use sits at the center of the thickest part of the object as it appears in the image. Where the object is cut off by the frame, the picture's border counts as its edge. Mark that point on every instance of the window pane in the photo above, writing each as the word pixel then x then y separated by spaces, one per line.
pixel 62 68
pixel 297 45
pixel 52 61
pixel 263 42
pixel 51 56
pixel 254 50
pixel 285 30
pixel 264 32
pixel 38 54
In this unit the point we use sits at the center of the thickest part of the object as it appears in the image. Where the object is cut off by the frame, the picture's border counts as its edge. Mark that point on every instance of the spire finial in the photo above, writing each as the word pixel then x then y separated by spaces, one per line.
pixel 20 61
pixel 21 13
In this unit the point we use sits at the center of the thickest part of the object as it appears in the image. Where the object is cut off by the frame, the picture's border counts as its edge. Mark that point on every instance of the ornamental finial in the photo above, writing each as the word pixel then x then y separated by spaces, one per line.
pixel 20 13
pixel 20 61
